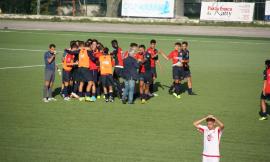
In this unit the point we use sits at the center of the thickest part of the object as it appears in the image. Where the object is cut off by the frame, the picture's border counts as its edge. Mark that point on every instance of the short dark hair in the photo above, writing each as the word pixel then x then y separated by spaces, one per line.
pixel 71 42
pixel 81 43
pixel 106 50
pixel 177 44
pixel 185 42
pixel 94 40
pixel 87 44
pixel 73 45
pixel 267 63
pixel 133 45
pixel 210 120
pixel 52 46
pixel 142 46
pixel 89 40
pixel 153 41
pixel 114 41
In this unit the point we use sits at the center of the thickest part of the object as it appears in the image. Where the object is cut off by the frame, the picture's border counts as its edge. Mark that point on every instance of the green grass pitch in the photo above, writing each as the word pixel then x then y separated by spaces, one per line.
pixel 227 75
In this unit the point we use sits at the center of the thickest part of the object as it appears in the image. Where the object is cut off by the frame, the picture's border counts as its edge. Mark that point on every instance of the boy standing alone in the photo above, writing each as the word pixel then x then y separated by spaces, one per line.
pixel 50 66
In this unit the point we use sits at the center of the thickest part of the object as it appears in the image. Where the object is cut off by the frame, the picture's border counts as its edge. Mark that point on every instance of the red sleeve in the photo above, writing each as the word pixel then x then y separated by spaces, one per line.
pixel 170 56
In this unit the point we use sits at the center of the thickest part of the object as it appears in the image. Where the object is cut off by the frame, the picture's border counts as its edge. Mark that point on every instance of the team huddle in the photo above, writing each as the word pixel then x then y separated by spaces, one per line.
pixel 90 69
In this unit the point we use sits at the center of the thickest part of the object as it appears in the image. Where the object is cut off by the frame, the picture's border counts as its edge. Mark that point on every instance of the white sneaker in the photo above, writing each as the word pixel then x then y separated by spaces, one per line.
pixel 45 100
pixel 52 99
pixel 74 95
pixel 154 94
pixel 67 99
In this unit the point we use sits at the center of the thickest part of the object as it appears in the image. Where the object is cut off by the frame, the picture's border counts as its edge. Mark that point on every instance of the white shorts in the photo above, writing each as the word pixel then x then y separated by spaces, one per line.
pixel 210 159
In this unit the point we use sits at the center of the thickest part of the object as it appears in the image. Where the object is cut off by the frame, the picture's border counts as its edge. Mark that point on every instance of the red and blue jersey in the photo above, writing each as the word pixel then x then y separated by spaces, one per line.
pixel 153 53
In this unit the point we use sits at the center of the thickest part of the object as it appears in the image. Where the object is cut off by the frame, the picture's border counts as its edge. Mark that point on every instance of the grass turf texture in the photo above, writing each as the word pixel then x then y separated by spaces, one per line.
pixel 227 75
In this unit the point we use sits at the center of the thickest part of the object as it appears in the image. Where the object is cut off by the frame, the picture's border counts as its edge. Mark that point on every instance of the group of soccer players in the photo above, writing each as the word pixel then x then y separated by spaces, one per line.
pixel 90 69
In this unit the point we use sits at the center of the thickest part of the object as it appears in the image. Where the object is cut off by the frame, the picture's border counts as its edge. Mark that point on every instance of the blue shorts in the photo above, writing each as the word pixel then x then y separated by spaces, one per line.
pixel 178 73
pixel 94 75
pixel 146 77
pixel 154 72
pixel 85 75
pixel 66 76
pixel 106 80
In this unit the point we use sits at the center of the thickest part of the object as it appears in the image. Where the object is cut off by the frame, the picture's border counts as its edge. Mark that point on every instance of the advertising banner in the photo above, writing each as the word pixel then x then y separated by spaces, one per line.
pixel 227 11
pixel 148 8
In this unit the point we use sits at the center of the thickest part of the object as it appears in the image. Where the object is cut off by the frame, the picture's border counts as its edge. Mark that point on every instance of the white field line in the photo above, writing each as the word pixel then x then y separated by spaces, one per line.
pixel 142 38
pixel 20 67
pixel 19 49
pixel 23 67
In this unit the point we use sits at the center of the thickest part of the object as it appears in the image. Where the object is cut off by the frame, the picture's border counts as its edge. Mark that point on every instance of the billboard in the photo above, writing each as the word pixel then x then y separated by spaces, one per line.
pixel 148 8
pixel 227 11
pixel 267 10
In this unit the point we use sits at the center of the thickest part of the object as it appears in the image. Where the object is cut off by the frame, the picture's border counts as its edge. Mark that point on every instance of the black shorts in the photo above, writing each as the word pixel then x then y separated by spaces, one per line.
pixel 178 73
pixel 186 74
pixel 75 74
pixel 66 76
pixel 154 72
pixel 146 77
pixel 106 80
pixel 117 73
pixel 85 75
pixel 94 75
pixel 265 97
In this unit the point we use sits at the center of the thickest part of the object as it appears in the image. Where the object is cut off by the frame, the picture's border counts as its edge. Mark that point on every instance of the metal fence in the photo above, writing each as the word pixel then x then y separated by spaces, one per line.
pixel 96 8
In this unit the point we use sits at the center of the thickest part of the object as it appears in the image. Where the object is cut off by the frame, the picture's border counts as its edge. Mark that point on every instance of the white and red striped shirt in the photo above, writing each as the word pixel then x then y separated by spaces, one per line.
pixel 211 141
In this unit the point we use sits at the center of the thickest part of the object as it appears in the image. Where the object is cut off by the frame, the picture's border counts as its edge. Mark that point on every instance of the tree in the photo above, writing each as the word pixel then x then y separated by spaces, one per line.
pixel 112 8
pixel 179 8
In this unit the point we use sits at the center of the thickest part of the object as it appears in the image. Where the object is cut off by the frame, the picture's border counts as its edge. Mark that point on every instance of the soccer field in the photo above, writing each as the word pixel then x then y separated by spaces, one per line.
pixel 227 76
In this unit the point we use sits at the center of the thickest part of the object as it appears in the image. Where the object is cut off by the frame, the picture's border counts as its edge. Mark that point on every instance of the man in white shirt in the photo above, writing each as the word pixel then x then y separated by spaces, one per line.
pixel 212 134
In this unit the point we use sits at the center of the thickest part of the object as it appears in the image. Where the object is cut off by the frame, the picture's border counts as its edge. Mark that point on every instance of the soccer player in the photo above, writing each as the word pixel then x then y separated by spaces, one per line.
pixel 187 73
pixel 145 73
pixel 154 59
pixel 106 77
pixel 130 74
pixel 75 73
pixel 177 63
pixel 118 67
pixel 84 72
pixel 50 66
pixel 94 56
pixel 68 63
pixel 265 91
pixel 212 134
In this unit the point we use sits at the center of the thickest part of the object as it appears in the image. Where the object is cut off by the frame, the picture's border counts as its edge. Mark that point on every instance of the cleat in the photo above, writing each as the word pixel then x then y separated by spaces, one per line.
pixel 45 100
pixel 155 94
pixel 150 95
pixel 192 94
pixel 178 96
pixel 75 95
pixel 106 100
pixel 81 98
pixel 263 118
pixel 52 99
pixel 93 99
pixel 143 101
pixel 175 94
pixel 124 101
pixel 88 99
pixel 111 99
pixel 98 97
pixel 104 97
pixel 66 98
